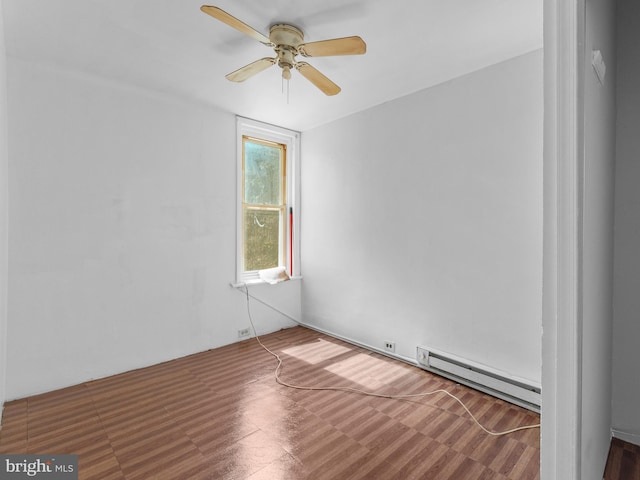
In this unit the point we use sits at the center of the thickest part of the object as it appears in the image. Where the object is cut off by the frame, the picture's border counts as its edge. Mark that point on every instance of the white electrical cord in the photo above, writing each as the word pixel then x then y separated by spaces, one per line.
pixel 363 392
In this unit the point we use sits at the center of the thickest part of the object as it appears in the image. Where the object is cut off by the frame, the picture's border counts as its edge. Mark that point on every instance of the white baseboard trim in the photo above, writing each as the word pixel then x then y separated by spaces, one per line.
pixel 626 436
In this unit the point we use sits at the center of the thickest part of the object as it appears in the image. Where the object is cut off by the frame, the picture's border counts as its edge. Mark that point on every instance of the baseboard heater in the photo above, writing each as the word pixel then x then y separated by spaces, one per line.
pixel 480 377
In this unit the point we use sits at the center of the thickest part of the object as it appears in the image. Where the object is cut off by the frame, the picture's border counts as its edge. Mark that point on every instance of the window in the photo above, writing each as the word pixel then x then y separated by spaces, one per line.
pixel 264 203
pixel 267 223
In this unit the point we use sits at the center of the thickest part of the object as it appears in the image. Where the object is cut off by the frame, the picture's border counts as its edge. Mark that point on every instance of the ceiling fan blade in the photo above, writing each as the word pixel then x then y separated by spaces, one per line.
pixel 232 21
pixel 250 70
pixel 318 79
pixel 336 46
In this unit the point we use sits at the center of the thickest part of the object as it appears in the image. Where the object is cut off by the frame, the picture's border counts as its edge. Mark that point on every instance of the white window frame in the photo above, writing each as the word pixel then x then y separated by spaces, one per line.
pixel 291 139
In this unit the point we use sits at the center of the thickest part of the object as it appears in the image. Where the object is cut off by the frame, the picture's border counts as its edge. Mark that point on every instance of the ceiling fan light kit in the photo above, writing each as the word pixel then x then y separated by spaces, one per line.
pixel 288 42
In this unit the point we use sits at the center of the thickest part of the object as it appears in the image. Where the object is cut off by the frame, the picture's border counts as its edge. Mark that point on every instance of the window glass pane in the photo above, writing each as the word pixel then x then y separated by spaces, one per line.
pixel 262 174
pixel 262 238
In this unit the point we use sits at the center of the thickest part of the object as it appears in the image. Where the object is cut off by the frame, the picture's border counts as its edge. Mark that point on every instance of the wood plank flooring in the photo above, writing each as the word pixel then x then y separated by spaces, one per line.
pixel 623 462
pixel 221 415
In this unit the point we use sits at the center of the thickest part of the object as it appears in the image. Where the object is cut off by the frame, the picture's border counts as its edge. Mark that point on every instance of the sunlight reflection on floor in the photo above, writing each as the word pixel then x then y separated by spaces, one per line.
pixel 363 369
pixel 316 352
pixel 368 371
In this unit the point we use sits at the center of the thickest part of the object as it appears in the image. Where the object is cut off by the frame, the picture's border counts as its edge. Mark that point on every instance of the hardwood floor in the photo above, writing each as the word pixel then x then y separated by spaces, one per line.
pixel 623 462
pixel 221 415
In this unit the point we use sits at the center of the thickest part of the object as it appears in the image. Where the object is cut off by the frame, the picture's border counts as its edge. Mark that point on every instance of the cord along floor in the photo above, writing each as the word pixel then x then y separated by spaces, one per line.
pixel 221 415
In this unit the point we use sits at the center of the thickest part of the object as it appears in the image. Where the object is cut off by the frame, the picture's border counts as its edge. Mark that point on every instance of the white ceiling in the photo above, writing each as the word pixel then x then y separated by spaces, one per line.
pixel 171 46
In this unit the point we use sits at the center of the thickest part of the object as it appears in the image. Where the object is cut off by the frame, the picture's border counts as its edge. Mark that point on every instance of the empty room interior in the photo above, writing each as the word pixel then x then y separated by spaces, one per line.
pixel 234 247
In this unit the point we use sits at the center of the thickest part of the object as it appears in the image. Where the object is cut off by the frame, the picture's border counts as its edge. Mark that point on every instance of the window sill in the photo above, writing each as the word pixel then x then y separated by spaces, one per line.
pixel 251 283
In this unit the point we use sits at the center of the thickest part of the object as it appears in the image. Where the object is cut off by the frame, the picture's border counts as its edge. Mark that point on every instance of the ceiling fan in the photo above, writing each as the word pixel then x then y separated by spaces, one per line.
pixel 288 42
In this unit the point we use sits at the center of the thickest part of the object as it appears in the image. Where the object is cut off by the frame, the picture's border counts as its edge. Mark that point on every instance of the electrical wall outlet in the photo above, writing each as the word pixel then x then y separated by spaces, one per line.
pixel 244 333
pixel 390 346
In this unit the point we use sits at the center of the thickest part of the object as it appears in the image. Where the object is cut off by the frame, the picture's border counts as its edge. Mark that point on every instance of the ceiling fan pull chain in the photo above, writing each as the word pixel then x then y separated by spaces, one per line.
pixel 284 79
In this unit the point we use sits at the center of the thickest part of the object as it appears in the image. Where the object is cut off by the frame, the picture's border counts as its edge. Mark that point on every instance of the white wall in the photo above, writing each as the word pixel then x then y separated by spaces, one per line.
pixel 3 210
pixel 626 330
pixel 122 238
pixel 422 220
pixel 597 238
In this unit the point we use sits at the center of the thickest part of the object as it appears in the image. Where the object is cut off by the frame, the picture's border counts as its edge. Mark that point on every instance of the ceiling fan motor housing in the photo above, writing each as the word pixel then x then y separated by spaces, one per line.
pixel 286 39
pixel 282 34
